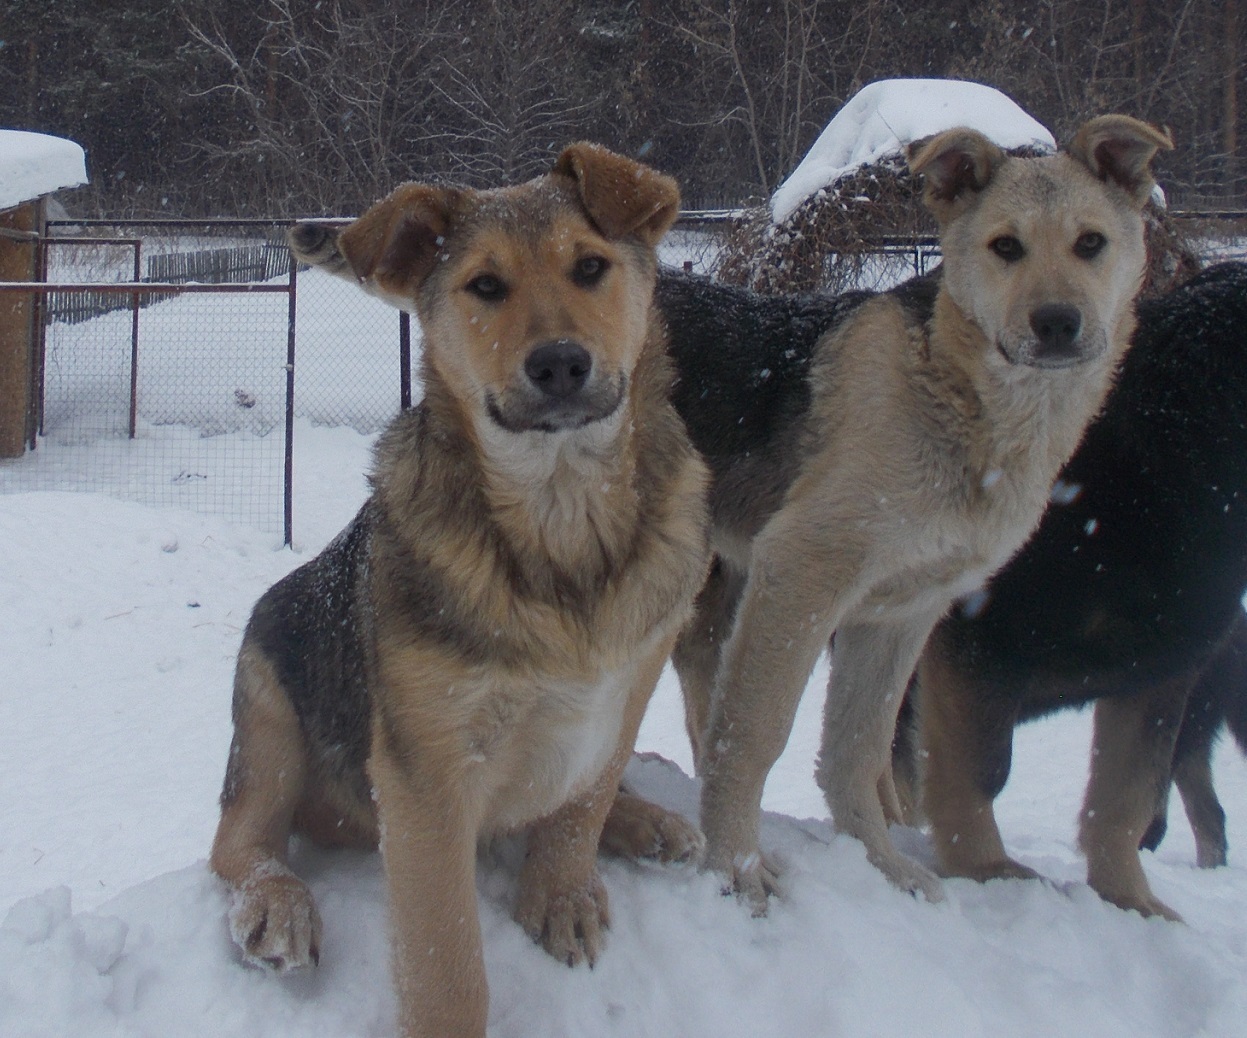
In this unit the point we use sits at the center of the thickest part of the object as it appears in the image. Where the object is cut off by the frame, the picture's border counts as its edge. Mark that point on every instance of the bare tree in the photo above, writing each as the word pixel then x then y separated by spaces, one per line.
pixel 333 99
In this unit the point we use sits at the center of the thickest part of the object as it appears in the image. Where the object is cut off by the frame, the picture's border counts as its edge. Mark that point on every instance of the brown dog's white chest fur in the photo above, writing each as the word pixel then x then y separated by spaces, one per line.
pixel 533 745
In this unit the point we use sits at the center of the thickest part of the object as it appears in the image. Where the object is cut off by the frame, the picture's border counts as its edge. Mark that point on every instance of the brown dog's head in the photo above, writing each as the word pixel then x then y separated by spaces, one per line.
pixel 534 300
pixel 1044 254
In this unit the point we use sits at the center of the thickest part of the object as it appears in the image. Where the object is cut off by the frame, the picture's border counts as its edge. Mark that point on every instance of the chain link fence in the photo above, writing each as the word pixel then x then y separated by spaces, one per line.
pixel 182 395
pixel 162 367
pixel 162 363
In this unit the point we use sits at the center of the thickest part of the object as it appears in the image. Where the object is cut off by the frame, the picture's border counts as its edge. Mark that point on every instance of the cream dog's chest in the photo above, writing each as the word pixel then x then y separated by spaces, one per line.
pixel 950 554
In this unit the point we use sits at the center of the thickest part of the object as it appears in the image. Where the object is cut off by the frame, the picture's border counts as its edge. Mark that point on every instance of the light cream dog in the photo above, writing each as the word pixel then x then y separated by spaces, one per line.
pixel 935 426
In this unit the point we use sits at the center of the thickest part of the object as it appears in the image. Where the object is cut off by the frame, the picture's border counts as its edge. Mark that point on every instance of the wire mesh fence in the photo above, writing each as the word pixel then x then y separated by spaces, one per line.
pixel 181 405
pixel 181 398
pixel 185 399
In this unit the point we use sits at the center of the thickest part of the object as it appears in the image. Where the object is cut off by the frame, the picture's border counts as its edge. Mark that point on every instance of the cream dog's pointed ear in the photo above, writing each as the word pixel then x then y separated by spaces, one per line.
pixel 1121 149
pixel 953 165
pixel 396 242
pixel 623 198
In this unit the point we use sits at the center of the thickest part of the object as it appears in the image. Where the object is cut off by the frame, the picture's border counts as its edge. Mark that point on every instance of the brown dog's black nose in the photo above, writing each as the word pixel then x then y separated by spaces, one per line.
pixel 559 369
pixel 1056 327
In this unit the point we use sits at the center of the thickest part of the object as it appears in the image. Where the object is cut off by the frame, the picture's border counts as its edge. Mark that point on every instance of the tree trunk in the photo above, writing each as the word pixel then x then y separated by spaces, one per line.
pixel 1229 112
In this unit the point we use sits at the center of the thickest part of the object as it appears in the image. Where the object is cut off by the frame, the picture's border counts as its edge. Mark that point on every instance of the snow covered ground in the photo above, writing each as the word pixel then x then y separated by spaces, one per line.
pixel 121 624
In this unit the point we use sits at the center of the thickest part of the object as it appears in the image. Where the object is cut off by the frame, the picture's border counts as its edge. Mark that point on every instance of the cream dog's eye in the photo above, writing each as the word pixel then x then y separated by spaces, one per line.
pixel 1089 245
pixel 1007 247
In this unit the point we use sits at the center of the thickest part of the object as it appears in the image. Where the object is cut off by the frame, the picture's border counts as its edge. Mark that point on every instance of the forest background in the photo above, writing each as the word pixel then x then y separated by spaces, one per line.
pixel 317 107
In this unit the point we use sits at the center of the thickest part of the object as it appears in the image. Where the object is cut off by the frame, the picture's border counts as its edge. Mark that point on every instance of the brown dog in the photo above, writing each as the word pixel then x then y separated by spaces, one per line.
pixel 479 645
pixel 929 424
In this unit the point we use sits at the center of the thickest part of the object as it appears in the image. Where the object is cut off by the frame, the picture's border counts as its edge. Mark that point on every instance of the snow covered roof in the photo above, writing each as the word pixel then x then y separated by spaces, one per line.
pixel 34 164
pixel 880 119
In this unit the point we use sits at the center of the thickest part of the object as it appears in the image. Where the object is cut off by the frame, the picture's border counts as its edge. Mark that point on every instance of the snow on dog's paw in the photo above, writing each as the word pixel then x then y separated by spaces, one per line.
pixel 909 876
pixel 274 921
pixel 754 881
pixel 569 923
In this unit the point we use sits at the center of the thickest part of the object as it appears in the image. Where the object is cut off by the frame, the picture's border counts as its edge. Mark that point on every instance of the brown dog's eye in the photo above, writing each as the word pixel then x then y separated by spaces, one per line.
pixel 1007 247
pixel 589 271
pixel 488 288
pixel 1089 245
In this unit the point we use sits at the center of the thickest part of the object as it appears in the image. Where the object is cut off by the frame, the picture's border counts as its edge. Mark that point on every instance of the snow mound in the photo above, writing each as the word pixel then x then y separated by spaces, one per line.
pixel 842 953
pixel 34 164
pixel 880 119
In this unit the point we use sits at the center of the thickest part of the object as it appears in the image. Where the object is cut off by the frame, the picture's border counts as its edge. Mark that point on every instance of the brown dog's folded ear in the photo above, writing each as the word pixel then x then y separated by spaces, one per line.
pixel 1121 149
pixel 316 244
pixel 953 163
pixel 395 243
pixel 622 197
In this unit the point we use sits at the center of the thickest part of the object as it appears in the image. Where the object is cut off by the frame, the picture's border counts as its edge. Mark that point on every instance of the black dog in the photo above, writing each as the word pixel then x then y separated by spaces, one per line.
pixel 1128 594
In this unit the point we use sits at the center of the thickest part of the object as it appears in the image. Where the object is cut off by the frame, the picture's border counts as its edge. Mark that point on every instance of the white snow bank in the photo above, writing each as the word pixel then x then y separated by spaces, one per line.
pixel 880 119
pixel 126 621
pixel 844 954
pixel 34 164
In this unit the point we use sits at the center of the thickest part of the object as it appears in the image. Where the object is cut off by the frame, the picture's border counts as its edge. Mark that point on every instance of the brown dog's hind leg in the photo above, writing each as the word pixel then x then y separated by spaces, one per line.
pixel 968 739
pixel 272 918
pixel 1130 759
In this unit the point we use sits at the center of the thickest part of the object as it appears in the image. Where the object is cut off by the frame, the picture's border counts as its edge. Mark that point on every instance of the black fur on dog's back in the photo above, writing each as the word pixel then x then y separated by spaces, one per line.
pixel 742 358
pixel 1140 576
pixel 742 379
pixel 312 626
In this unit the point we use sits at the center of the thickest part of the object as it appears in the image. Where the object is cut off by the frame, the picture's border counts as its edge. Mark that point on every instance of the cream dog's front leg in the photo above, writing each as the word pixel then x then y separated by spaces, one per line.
pixel 871 664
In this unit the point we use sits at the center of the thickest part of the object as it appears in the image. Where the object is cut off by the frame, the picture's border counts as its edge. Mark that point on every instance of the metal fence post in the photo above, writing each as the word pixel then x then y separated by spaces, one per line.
pixel 134 343
pixel 288 495
pixel 404 360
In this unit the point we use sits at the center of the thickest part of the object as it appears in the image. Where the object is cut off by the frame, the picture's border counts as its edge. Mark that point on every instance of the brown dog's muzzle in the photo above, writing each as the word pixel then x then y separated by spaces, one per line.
pixel 559 389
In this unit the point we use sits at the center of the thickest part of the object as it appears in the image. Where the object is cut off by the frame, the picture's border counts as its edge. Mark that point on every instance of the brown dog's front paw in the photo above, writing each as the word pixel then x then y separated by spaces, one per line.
pixel 274 921
pixel 569 923
pixel 636 828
